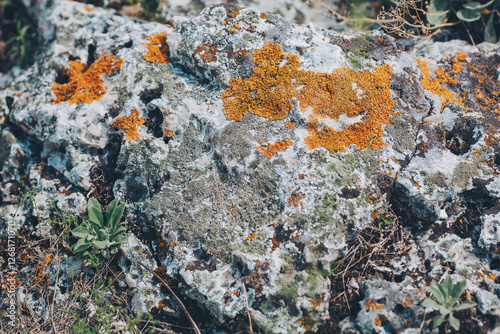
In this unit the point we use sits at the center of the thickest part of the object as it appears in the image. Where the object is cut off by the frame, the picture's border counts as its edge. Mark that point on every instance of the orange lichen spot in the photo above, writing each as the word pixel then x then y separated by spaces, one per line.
pixel 236 292
pixel 157 48
pixel 416 185
pixel 234 12
pixel 377 321
pixel 206 53
pixel 88 8
pixel 374 214
pixel 372 305
pixel 85 83
pixel 277 79
pixel 130 124
pixel 295 199
pixel 270 149
pixel 41 277
pixel 161 304
pixel 433 85
pixel 407 302
pixel 290 125
pixel 316 302
pixel 307 322
pixel 253 235
pixel 444 77
pixel 458 65
pixel 18 94
pixel 263 16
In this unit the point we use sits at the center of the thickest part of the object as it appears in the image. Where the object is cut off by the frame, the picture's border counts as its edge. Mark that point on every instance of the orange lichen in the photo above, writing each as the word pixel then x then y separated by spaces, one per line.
pixel 85 83
pixel 290 125
pixel 269 90
pixel 253 235
pixel 270 149
pixel 157 48
pixel 374 214
pixel 88 8
pixel 263 16
pixel 295 199
pixel 372 305
pixel 457 64
pixel 205 52
pixel 433 85
pixel 377 321
pixel 130 124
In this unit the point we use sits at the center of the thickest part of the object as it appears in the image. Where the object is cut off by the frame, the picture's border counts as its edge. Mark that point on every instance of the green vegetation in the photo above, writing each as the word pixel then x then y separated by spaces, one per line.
pixel 18 46
pixel 97 240
pixel 446 301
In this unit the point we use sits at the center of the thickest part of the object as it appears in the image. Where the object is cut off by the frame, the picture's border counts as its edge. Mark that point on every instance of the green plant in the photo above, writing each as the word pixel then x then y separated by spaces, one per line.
pixel 18 45
pixel 148 6
pixel 97 240
pixel 446 301
pixel 385 220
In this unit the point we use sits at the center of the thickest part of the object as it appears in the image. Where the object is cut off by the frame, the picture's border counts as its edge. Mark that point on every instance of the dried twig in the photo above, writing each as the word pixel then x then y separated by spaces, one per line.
pixel 408 20
pixel 197 331
pixel 248 308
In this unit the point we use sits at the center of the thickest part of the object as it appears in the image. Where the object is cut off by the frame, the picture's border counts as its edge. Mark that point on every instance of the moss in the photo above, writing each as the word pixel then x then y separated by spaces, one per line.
pixel 157 48
pixel 85 83
pixel 269 90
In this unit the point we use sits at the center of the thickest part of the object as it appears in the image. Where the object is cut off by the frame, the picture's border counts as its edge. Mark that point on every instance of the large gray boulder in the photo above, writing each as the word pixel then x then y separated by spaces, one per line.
pixel 249 149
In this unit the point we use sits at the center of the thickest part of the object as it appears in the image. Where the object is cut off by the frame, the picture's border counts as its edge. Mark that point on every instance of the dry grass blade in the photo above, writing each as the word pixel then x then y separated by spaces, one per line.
pixel 197 331
pixel 248 308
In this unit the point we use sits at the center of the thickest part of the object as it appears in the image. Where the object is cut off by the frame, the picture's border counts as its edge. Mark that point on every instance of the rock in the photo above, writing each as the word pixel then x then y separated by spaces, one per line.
pixel 251 150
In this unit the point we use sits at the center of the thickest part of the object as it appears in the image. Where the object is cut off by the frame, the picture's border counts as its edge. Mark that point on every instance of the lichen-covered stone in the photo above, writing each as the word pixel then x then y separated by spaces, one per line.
pixel 266 196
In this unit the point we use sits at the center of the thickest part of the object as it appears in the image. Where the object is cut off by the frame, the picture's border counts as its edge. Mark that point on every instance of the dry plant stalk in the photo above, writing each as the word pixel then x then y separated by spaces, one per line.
pixel 197 331
pixel 248 308
pixel 408 20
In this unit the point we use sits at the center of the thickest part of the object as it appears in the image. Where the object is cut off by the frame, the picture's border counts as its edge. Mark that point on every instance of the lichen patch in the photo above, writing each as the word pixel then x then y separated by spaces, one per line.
pixel 157 48
pixel 268 92
pixel 85 83
pixel 130 124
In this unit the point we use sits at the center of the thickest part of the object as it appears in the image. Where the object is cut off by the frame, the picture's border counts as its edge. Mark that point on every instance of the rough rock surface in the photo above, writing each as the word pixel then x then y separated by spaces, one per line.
pixel 258 148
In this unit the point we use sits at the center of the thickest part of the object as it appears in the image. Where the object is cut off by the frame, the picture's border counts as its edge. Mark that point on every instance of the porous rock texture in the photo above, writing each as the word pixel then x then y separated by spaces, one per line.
pixel 257 149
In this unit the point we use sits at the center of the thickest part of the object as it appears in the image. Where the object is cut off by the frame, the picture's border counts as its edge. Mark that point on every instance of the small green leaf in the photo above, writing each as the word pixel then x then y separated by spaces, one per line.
pixel 437 293
pixel 454 322
pixel 438 320
pixel 476 5
pixel 95 216
pixel 93 203
pixel 120 239
pixel 430 303
pixel 119 229
pixel 81 246
pixel 116 216
pixel 490 35
pixel 102 244
pixel 457 290
pixel 437 12
pixel 109 210
pixel 105 253
pixel 114 250
pixel 465 305
pixel 80 232
pixel 469 15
